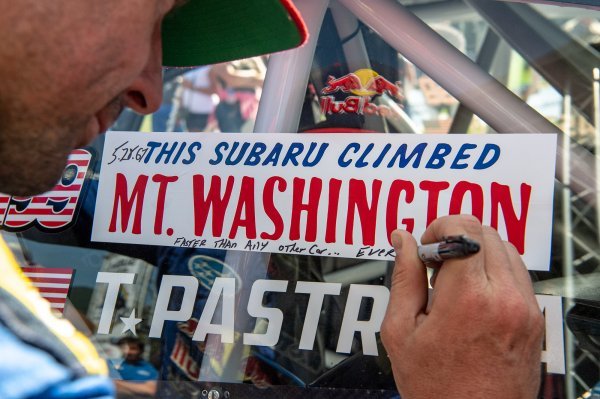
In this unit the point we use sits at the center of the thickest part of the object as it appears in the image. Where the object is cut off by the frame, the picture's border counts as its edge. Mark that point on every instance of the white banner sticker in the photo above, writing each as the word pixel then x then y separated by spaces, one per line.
pixel 321 194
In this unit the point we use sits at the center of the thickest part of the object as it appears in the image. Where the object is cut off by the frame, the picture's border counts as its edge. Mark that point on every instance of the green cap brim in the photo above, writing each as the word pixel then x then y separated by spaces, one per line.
pixel 203 32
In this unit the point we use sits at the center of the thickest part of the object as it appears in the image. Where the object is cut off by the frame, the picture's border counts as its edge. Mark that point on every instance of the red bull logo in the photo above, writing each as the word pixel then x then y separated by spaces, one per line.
pixel 363 85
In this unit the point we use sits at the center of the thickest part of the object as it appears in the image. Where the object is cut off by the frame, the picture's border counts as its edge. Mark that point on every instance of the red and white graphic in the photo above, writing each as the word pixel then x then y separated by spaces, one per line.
pixel 4 201
pixel 54 209
pixel 53 284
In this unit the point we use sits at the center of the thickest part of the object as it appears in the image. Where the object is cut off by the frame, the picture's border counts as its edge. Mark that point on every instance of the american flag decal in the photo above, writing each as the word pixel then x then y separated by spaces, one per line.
pixel 54 209
pixel 4 201
pixel 53 284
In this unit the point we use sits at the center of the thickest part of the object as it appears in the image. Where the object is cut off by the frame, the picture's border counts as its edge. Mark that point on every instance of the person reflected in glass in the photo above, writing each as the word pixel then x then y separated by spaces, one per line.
pixel 137 376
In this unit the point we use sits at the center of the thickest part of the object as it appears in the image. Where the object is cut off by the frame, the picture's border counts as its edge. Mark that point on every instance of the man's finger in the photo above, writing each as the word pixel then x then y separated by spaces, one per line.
pixel 497 262
pixel 520 271
pixel 455 273
pixel 504 264
pixel 408 297
pixel 451 226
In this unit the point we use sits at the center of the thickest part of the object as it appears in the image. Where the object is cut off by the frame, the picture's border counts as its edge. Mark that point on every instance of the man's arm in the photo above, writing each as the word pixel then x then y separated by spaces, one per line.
pixel 188 84
pixel 136 387
pixel 480 336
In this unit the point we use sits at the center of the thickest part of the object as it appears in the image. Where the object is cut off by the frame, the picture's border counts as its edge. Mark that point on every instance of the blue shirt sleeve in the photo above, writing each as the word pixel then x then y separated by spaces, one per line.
pixel 139 371
pixel 27 372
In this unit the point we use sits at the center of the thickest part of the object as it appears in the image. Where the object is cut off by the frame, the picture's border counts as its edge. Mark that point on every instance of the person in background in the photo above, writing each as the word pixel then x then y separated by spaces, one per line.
pixel 69 69
pixel 197 101
pixel 136 376
pixel 238 85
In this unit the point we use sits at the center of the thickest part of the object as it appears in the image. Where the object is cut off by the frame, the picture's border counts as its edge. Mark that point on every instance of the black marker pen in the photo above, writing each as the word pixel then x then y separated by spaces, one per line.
pixel 451 247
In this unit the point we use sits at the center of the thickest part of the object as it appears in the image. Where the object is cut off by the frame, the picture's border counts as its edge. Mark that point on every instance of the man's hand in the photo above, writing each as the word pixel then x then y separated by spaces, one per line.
pixel 481 334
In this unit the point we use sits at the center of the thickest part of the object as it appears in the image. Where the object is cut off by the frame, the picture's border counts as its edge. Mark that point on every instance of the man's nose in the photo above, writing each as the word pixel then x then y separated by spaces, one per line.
pixel 144 94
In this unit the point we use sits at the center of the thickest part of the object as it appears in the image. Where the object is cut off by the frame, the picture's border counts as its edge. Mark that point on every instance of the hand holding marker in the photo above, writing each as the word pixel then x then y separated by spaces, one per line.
pixel 452 247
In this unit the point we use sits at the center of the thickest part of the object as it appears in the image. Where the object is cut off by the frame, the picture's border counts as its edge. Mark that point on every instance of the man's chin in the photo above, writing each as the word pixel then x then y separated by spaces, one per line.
pixel 34 183
pixel 27 190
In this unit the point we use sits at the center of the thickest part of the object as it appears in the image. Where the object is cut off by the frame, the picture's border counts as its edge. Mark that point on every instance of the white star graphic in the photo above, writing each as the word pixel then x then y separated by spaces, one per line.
pixel 130 322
